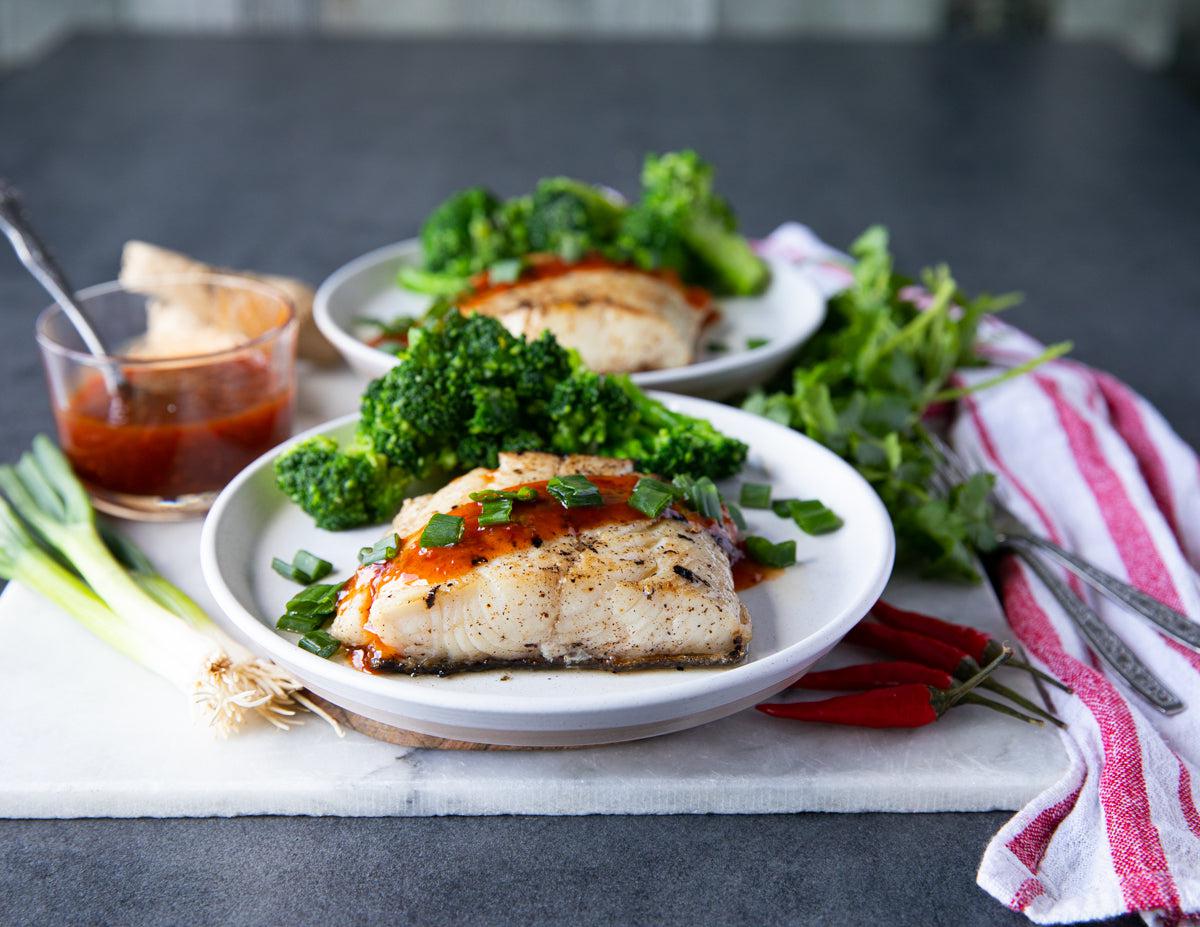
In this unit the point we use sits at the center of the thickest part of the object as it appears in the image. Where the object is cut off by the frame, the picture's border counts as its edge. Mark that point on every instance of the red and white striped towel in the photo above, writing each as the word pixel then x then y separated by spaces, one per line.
pixel 1087 462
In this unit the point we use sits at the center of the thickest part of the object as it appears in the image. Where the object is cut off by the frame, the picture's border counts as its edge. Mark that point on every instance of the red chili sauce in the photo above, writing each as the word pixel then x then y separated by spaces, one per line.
pixel 175 430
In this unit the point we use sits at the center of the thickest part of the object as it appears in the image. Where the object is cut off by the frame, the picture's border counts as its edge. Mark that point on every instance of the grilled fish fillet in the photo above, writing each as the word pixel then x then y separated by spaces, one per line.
pixel 630 593
pixel 619 320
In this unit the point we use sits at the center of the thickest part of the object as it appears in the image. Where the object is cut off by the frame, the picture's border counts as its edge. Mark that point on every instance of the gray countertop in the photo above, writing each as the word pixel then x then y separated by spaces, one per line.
pixel 1059 171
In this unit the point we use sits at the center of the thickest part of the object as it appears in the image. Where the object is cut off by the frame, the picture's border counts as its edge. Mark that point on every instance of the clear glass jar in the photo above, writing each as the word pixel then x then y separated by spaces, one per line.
pixel 162 439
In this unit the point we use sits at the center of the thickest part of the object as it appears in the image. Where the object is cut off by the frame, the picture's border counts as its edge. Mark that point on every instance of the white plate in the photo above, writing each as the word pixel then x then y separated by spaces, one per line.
pixel 796 617
pixel 786 314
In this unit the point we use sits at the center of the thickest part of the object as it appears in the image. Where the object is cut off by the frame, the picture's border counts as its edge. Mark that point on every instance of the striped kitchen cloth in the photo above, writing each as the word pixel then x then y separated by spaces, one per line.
pixel 1084 460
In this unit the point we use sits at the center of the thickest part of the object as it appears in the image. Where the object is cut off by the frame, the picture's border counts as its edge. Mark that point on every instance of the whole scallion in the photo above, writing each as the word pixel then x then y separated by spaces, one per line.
pixel 124 601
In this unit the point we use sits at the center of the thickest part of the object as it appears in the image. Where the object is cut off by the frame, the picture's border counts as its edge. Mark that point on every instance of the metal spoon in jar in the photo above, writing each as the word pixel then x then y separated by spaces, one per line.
pixel 37 260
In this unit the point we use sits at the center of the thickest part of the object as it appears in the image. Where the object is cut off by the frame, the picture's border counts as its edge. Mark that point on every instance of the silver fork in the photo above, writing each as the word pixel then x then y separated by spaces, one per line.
pixel 1014 536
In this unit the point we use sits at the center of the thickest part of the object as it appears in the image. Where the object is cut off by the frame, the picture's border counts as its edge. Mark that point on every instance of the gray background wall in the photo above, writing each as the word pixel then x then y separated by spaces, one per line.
pixel 1154 32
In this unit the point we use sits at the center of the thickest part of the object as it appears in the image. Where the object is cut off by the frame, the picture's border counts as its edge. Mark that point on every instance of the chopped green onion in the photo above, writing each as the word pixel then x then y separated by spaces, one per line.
pixel 302 624
pixel 684 484
pixel 383 549
pixel 442 531
pixel 496 512
pixel 763 551
pixel 311 565
pixel 756 495
pixel 706 499
pixel 783 507
pixel 752 343
pixel 315 600
pixel 717 347
pixel 812 517
pixel 508 271
pixel 575 491
pixel 524 494
pixel 736 514
pixel 305 568
pixel 651 496
pixel 322 643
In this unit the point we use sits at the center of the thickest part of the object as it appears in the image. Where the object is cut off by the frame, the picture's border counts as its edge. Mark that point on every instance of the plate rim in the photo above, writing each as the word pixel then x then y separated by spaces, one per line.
pixel 756 674
pixel 772 353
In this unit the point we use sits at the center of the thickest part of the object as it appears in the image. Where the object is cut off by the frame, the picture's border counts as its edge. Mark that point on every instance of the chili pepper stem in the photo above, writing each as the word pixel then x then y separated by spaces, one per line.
pixel 1032 670
pixel 1018 699
pixel 978 678
pixel 974 698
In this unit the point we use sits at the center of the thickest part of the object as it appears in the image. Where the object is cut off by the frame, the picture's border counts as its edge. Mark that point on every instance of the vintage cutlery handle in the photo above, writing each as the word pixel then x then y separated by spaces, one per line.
pixel 1102 638
pixel 38 261
pixel 1179 626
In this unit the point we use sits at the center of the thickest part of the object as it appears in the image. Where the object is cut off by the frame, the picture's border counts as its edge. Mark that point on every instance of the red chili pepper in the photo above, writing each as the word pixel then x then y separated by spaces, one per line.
pixel 972 641
pixel 874 675
pixel 903 706
pixel 935 653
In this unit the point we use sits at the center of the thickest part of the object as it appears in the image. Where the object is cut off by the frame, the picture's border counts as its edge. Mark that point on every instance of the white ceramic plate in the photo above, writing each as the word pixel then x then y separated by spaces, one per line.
pixel 786 314
pixel 796 617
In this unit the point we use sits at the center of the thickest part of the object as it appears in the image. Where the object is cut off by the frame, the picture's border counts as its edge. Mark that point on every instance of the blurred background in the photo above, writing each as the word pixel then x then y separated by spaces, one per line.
pixel 1160 34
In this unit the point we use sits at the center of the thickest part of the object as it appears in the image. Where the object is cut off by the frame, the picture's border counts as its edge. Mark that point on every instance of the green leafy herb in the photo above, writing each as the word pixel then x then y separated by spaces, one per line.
pixel 383 549
pixel 575 491
pixel 496 512
pixel 752 343
pixel 443 531
pixel 717 347
pixel 322 643
pixel 862 385
pixel 756 495
pixel 651 497
pixel 769 554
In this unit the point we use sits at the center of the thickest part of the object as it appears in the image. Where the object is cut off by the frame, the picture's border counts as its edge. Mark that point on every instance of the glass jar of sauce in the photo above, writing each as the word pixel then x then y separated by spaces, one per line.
pixel 206 384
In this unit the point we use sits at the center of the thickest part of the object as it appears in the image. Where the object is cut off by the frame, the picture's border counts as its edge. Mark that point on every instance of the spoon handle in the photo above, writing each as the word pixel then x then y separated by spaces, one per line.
pixel 37 259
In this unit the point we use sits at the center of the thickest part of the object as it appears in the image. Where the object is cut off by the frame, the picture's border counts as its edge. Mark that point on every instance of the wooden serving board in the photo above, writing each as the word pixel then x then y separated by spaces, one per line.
pixel 403 738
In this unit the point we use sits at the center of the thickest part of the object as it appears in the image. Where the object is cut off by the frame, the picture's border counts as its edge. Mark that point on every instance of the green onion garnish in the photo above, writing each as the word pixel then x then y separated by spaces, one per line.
pixel 651 496
pixel 301 624
pixel 315 600
pixel 756 495
pixel 783 507
pixel 442 531
pixel 305 568
pixel 717 347
pixel 575 491
pixel 736 514
pixel 383 549
pixel 763 551
pixel 508 271
pixel 322 643
pixel 524 494
pixel 752 343
pixel 812 517
pixel 706 499
pixel 496 512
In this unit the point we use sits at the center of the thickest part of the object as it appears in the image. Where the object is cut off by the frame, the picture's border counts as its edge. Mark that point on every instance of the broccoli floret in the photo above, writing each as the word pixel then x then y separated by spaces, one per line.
pixel 466 389
pixel 677 187
pixel 339 489
pixel 647 239
pixel 571 218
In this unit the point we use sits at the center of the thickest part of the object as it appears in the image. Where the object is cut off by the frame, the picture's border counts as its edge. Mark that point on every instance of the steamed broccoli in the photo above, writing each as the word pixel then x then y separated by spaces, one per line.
pixel 466 389
pixel 340 489
pixel 677 188
pixel 467 233
pixel 571 218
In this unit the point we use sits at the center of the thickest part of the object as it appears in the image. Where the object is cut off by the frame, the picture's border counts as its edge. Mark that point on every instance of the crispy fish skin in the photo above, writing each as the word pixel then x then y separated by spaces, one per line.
pixel 652 592
pixel 619 320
